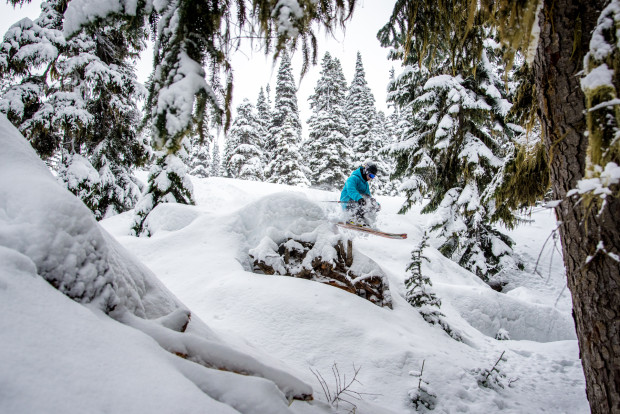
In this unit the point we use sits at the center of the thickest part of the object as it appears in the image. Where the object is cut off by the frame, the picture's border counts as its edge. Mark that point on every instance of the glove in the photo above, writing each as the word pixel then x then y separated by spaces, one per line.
pixel 375 204
pixel 361 202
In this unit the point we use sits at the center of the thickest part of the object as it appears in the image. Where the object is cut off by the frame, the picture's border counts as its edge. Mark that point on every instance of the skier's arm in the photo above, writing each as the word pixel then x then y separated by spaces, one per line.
pixel 351 189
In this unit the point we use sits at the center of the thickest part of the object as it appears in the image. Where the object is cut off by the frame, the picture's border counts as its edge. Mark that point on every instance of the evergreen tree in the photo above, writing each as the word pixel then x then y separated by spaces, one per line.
pixel 361 113
pixel 329 158
pixel 286 95
pixel 168 182
pixel 230 144
pixel 263 108
pixel 216 169
pixel 200 164
pixel 417 285
pixel 454 147
pixel 78 96
pixel 285 103
pixel 287 164
pixel 244 159
pixel 380 136
pixel 419 293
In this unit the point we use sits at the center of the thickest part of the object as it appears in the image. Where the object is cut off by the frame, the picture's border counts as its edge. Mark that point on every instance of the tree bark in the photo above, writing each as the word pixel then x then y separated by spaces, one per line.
pixel 566 27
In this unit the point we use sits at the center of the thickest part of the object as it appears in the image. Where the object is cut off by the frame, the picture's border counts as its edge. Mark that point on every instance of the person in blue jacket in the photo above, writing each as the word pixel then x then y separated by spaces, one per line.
pixel 356 198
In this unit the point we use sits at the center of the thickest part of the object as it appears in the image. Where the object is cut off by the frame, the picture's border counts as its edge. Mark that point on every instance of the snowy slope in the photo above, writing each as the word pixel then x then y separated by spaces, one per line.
pixel 115 347
pixel 203 259
pixel 67 356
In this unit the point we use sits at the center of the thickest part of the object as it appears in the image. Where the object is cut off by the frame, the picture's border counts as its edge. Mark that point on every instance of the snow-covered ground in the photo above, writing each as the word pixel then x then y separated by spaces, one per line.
pixel 58 355
pixel 201 254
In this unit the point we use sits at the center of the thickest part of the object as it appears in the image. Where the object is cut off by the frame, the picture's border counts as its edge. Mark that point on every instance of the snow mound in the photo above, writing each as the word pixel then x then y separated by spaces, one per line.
pixel 170 217
pixel 278 214
pixel 289 235
pixel 489 311
pixel 47 233
pixel 43 221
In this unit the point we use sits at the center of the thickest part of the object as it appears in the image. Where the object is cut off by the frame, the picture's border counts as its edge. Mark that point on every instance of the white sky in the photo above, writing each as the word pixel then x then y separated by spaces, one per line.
pixel 253 70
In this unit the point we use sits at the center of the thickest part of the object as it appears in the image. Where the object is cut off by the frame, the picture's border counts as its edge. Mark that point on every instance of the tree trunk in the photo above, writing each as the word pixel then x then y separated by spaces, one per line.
pixel 566 27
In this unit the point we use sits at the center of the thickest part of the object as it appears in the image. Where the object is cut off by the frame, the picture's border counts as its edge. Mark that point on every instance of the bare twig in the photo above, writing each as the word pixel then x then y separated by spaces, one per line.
pixel 493 369
pixel 343 391
pixel 421 372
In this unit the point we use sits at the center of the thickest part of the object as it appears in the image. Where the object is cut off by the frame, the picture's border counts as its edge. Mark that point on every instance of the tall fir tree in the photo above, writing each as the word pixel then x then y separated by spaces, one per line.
pixel 244 158
pixel 216 165
pixel 453 148
pixel 380 136
pixel 285 101
pixel 287 164
pixel 200 158
pixel 264 112
pixel 77 97
pixel 329 157
pixel 361 113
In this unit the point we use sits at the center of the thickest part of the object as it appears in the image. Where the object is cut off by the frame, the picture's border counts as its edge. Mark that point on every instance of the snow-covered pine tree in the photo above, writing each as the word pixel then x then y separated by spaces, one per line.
pixel 419 293
pixel 417 285
pixel 244 158
pixel 563 109
pixel 216 165
pixel 329 157
pixel 361 113
pixel 286 98
pixel 200 158
pixel 77 96
pixel 168 183
pixel 287 164
pixel 81 178
pixel 113 94
pixel 230 143
pixel 381 138
pixel 264 112
pixel 451 150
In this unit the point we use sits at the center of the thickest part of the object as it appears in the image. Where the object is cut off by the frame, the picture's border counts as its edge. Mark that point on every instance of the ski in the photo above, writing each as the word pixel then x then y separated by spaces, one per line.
pixel 368 230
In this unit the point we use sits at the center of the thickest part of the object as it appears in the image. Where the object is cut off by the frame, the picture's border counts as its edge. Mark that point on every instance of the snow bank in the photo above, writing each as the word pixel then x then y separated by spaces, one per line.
pixel 489 311
pixel 59 356
pixel 43 221
pixel 288 219
pixel 170 217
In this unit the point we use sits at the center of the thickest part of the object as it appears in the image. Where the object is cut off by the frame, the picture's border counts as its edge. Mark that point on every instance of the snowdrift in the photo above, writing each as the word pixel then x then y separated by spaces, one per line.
pixel 291 235
pixel 63 355
pixel 489 311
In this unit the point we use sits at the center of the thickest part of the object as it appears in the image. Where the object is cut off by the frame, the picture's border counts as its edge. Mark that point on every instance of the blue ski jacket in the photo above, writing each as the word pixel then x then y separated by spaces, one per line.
pixel 354 188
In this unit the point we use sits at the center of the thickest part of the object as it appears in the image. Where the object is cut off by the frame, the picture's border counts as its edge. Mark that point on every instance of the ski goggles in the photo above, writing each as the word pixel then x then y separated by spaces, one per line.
pixel 371 176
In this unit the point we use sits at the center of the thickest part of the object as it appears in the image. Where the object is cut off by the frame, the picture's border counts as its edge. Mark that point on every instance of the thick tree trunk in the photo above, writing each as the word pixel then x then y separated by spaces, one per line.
pixel 566 27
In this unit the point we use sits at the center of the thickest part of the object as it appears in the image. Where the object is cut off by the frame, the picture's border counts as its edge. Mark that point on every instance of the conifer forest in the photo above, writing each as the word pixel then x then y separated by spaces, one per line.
pixel 495 108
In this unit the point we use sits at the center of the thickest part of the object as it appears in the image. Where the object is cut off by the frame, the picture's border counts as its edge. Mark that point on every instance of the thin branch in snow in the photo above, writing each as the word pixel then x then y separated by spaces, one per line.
pixel 543 248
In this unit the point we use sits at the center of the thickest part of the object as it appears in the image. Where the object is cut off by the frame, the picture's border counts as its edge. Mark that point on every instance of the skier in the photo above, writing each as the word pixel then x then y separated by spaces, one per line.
pixel 356 198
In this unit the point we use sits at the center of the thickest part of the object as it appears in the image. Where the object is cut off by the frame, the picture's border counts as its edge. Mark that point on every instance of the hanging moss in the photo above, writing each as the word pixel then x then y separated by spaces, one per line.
pixel 526 182
pixel 601 84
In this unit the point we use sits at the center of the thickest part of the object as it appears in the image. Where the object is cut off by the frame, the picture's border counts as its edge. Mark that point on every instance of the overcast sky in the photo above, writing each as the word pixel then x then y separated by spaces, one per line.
pixel 253 70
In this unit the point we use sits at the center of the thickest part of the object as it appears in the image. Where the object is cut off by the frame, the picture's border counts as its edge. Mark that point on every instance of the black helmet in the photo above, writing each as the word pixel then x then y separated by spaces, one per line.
pixel 370 168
